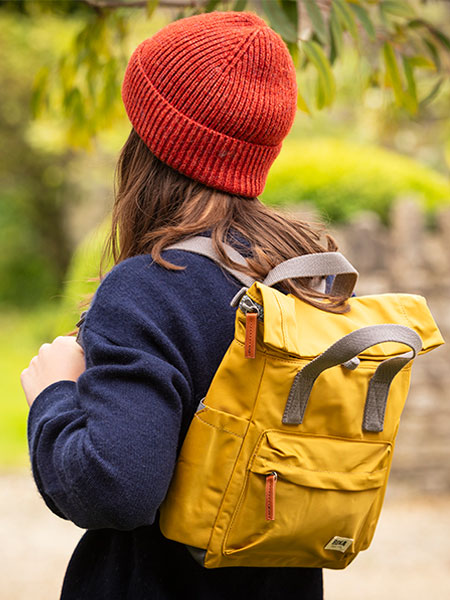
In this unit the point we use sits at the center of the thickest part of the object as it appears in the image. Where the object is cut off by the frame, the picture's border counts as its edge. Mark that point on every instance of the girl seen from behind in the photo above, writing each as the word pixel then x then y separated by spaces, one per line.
pixel 210 99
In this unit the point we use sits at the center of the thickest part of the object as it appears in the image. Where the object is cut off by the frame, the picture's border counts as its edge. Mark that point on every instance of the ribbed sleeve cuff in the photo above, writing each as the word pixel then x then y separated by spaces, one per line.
pixel 51 403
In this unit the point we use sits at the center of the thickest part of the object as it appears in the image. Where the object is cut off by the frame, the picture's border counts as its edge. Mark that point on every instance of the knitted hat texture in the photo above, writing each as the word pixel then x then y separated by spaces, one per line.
pixel 213 96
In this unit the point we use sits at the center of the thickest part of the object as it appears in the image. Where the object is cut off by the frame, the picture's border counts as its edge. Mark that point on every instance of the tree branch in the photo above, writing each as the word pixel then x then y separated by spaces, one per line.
pixel 99 4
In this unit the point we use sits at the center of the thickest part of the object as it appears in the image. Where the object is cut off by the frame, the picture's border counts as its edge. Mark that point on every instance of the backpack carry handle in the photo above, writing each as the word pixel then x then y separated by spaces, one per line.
pixel 318 264
pixel 344 350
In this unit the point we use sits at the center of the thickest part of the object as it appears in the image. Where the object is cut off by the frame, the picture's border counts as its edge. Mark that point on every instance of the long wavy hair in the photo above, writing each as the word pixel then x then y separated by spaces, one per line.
pixel 156 206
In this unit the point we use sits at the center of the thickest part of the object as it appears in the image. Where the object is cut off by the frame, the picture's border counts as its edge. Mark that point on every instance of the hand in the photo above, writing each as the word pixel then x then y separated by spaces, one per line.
pixel 63 359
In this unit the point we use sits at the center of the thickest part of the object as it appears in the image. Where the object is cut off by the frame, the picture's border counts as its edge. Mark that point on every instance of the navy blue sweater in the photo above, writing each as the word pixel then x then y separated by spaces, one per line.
pixel 103 449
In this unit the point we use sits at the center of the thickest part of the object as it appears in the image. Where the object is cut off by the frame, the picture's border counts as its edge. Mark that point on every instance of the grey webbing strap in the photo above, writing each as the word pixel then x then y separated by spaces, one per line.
pixel 319 264
pixel 308 265
pixel 344 350
pixel 204 246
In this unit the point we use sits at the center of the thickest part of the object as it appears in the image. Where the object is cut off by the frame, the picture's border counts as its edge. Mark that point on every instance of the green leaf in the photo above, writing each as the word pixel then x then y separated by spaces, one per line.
pixel 414 23
pixel 336 35
pixel 302 105
pixel 383 15
pixel 211 5
pixel 411 97
pixel 121 27
pixel 421 61
pixel 432 94
pixel 239 5
pixel 151 7
pixel 346 17
pixel 67 72
pixel 434 53
pixel 399 8
pixel 316 17
pixel 326 84
pixel 441 37
pixel 364 19
pixel 293 50
pixel 393 72
pixel 279 20
pixel 74 107
pixel 321 99
pixel 290 8
pixel 39 92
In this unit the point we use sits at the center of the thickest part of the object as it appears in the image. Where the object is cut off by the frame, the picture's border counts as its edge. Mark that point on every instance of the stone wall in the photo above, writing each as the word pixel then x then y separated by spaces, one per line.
pixel 410 257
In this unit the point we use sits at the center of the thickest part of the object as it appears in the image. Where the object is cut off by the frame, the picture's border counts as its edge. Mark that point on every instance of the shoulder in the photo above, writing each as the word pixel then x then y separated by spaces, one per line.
pixel 138 290
pixel 141 275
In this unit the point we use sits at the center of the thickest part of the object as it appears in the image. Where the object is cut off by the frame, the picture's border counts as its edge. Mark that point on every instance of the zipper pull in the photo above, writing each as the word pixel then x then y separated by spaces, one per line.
pixel 251 328
pixel 271 484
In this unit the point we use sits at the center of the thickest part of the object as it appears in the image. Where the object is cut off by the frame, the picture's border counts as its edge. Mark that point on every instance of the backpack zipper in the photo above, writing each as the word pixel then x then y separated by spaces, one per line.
pixel 247 305
pixel 271 484
pixel 253 312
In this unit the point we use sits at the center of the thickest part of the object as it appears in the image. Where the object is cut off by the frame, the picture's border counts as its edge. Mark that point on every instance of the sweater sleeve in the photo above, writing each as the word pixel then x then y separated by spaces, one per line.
pixel 103 448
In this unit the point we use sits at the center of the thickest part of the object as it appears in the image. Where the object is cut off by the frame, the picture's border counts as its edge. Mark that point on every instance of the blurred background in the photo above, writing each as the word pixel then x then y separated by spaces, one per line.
pixel 368 156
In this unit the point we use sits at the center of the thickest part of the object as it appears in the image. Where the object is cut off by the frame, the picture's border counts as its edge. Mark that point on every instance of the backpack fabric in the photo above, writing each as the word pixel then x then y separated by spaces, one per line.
pixel 287 458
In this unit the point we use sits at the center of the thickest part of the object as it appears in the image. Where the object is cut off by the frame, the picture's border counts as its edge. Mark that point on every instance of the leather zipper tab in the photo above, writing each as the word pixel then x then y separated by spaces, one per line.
pixel 251 328
pixel 271 484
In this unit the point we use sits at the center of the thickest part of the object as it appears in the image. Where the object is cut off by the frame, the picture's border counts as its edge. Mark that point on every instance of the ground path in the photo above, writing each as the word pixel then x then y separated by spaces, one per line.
pixel 409 558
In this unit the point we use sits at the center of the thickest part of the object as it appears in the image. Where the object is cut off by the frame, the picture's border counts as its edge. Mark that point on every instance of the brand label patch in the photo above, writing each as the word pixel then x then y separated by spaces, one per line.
pixel 341 544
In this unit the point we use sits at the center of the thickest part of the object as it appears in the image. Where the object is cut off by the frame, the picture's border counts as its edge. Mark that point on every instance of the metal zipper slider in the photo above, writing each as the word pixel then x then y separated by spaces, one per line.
pixel 271 484
pixel 248 305
pixel 251 329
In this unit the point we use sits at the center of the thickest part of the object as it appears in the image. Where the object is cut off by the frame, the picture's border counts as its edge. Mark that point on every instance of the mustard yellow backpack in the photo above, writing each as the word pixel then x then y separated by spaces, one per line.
pixel 287 459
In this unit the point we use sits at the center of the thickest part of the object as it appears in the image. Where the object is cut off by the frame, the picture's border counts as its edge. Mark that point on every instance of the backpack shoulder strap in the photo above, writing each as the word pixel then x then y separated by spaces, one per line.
pixel 308 265
pixel 204 246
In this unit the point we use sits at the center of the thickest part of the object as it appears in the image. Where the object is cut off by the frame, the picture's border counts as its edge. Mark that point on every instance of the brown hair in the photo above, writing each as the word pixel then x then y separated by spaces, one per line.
pixel 155 206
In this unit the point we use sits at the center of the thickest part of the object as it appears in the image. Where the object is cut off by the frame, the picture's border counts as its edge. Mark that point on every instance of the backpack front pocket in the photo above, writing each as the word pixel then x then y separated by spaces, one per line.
pixel 308 501
pixel 204 468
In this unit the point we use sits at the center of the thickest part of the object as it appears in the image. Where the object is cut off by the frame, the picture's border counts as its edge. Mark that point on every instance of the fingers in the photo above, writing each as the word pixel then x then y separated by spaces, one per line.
pixel 33 362
pixel 60 360
pixel 66 340
pixel 62 341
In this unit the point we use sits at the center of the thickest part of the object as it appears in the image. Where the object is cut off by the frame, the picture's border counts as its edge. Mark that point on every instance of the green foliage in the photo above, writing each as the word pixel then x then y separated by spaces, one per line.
pixel 326 85
pixel 89 78
pixel 280 21
pixel 81 280
pixel 26 276
pixel 35 191
pixel 364 19
pixel 341 179
pixel 317 20
pixel 346 17
pixel 83 86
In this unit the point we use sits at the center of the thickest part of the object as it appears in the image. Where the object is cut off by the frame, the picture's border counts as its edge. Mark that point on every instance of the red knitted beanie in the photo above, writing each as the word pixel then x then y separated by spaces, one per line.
pixel 213 96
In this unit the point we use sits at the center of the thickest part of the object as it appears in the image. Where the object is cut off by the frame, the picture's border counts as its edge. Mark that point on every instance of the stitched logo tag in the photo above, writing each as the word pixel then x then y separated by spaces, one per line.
pixel 339 543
